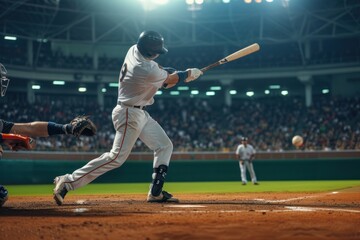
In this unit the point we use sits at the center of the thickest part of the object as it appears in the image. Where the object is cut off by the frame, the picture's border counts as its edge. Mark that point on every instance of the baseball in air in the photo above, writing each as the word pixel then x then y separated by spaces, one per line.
pixel 297 141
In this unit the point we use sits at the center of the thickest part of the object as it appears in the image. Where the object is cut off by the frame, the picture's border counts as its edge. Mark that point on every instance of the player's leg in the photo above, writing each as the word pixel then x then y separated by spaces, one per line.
pixel 128 127
pixel 252 173
pixel 154 136
pixel 243 172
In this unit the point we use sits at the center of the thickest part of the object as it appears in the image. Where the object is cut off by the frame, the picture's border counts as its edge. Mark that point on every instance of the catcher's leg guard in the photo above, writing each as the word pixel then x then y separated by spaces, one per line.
pixel 158 180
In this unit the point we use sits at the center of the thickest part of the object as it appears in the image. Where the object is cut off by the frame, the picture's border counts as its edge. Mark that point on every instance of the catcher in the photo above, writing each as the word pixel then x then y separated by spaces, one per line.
pixel 19 136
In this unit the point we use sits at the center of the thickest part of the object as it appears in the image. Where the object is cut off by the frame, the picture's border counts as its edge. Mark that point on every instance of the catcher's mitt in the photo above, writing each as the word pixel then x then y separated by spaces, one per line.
pixel 82 125
pixel 18 142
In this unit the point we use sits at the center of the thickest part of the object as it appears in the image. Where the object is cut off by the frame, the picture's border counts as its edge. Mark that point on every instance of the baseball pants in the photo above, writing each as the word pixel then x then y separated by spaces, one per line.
pixel 130 124
pixel 247 165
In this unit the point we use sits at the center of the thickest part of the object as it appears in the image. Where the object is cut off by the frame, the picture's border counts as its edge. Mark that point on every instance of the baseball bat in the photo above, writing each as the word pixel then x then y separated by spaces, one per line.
pixel 236 55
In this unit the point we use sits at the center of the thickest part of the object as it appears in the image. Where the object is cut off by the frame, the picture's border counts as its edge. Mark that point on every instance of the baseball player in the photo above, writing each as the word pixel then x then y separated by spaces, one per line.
pixel 246 154
pixel 140 78
pixel 14 135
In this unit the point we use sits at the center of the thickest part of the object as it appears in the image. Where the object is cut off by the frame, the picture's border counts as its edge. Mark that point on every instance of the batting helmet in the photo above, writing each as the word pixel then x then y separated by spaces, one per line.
pixel 244 139
pixel 151 43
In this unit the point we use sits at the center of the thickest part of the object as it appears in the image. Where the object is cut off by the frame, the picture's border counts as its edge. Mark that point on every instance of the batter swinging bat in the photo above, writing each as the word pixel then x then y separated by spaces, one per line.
pixel 236 55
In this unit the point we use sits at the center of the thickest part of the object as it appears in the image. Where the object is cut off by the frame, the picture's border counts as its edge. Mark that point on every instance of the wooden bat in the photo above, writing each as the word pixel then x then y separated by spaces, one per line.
pixel 236 55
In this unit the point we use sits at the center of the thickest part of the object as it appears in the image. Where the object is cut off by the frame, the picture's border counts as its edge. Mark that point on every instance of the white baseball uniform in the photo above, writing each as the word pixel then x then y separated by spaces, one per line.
pixel 139 80
pixel 246 154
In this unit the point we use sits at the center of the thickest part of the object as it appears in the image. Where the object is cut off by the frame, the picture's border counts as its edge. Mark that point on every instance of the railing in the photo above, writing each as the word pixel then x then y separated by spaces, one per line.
pixel 197 156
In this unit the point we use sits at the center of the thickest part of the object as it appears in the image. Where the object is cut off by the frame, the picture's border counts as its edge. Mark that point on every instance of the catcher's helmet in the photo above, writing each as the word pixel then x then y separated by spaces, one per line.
pixel 151 43
pixel 4 80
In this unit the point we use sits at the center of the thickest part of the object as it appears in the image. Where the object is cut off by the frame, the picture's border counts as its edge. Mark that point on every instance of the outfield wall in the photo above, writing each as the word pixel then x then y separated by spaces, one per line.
pixel 42 167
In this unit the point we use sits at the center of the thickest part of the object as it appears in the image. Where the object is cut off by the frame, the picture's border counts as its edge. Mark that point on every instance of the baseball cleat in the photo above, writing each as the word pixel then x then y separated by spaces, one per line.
pixel 163 197
pixel 256 183
pixel 60 190
pixel 243 183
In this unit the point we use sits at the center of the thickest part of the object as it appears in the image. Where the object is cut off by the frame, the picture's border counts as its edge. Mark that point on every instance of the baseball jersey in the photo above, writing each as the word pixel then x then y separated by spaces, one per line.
pixel 139 79
pixel 245 152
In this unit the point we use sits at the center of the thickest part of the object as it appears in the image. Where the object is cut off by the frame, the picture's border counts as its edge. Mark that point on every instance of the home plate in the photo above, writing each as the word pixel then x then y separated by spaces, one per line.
pixel 185 206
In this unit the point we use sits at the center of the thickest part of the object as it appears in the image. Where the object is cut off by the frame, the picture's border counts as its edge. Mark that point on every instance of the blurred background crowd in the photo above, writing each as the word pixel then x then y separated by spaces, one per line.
pixel 195 124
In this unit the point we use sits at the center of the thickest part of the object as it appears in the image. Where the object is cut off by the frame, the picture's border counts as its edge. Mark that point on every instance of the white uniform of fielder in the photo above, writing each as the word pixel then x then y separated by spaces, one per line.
pixel 246 153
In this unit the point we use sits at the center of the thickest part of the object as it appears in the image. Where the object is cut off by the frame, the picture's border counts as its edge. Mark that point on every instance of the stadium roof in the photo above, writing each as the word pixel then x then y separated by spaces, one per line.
pixel 212 23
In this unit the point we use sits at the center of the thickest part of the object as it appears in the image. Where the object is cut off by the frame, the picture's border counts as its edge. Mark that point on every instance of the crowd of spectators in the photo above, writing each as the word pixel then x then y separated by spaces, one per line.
pixel 271 56
pixel 200 124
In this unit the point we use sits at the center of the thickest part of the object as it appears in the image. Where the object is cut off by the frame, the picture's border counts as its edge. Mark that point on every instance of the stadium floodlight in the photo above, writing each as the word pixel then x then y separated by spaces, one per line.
pixel 160 2
pixel 190 2
pixel 284 92
pixel 159 92
pixel 82 89
pixel 199 1
pixel 35 86
pixel 194 92
pixel 174 93
pixel 325 91
pixel 250 93
pixel 103 90
pixel 267 91
pixel 183 88
pixel 233 92
pixel 226 1
pixel 114 84
pixel 274 86
pixel 258 1
pixel 247 1
pixel 12 38
pixel 215 88
pixel 58 82
pixel 210 93
pixel 269 1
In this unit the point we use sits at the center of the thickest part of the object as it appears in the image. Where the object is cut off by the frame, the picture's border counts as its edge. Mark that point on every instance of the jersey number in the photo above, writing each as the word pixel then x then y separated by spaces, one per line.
pixel 123 72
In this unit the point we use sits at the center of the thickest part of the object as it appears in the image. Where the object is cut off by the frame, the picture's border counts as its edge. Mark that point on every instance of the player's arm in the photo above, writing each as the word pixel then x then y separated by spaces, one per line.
pixel 182 76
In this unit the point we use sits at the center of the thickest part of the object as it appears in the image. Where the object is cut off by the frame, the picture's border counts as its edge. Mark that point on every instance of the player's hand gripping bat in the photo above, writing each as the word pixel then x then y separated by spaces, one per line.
pixel 236 55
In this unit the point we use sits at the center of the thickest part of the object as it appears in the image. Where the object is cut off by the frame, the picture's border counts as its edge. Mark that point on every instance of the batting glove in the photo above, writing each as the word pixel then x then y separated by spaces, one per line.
pixel 193 74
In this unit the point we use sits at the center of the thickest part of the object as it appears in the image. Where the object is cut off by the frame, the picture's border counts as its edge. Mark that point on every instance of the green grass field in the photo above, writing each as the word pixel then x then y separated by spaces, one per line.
pixel 193 187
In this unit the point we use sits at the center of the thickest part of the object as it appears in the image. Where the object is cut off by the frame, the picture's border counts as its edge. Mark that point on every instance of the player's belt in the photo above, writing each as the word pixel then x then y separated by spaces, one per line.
pixel 130 106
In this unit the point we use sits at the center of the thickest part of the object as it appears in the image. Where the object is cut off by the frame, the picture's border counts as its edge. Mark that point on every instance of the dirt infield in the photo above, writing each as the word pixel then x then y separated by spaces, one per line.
pixel 333 215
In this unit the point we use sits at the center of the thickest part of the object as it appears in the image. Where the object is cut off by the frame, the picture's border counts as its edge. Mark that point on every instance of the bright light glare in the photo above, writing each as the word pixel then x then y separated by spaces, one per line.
pixel 113 84
pixel 215 88
pixel 10 38
pixel 325 91
pixel 233 92
pixel 267 91
pixel 58 82
pixel 226 1
pixel 103 90
pixel 274 86
pixel 247 1
pixel 82 89
pixel 174 93
pixel 183 88
pixel 258 1
pixel 284 92
pixel 194 92
pixel 160 2
pixel 190 2
pixel 210 93
pixel 269 0
pixel 158 92
pixel 35 87
pixel 199 1
pixel 250 93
